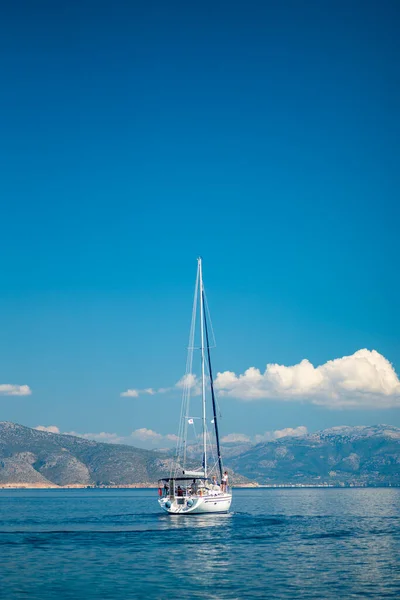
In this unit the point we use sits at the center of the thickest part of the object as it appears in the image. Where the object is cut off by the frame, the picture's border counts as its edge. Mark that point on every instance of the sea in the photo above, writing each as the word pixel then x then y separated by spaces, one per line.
pixel 274 544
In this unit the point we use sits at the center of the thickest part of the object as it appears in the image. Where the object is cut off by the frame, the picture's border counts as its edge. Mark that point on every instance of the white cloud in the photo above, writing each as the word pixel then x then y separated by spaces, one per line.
pixel 130 394
pixel 133 393
pixel 144 434
pixel 102 436
pixel 235 437
pixel 268 436
pixel 364 379
pixel 50 428
pixel 10 389
pixel 281 433
pixel 290 432
pixel 145 438
pixel 189 382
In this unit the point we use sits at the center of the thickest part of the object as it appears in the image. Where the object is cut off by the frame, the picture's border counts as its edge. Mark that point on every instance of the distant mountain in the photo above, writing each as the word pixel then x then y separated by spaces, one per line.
pixel 338 456
pixel 39 457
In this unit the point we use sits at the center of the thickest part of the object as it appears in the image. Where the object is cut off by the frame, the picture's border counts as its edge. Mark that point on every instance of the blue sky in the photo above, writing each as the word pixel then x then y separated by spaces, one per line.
pixel 136 136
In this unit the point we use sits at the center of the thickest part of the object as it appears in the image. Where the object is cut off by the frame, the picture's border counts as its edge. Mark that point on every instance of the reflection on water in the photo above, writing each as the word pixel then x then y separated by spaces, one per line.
pixel 277 544
pixel 194 521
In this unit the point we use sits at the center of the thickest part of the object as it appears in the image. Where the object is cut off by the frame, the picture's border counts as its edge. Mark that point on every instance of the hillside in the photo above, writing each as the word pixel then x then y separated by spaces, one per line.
pixel 340 455
pixel 39 457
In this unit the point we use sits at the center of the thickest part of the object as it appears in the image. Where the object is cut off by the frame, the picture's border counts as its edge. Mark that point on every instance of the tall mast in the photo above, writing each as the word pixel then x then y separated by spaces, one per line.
pixel 203 375
pixel 214 404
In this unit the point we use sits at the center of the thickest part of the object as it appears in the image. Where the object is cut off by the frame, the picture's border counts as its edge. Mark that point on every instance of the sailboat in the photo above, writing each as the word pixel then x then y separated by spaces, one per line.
pixel 193 488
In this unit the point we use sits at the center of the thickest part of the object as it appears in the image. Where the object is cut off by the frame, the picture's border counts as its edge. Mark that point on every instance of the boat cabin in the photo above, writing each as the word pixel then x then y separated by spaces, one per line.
pixel 182 488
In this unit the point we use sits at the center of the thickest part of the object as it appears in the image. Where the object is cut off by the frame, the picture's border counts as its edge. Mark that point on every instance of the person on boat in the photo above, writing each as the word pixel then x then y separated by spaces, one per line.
pixel 179 491
pixel 194 487
pixel 224 482
pixel 214 483
pixel 166 489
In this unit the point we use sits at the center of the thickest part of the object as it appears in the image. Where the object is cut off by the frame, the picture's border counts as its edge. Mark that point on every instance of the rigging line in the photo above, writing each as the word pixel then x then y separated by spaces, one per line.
pixel 189 363
pixel 218 406
pixel 213 396
pixel 211 445
pixel 209 320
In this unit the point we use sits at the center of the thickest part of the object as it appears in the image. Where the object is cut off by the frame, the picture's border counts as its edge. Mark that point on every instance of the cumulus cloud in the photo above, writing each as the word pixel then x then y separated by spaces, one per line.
pixel 144 434
pixel 189 382
pixel 133 393
pixel 268 436
pixel 145 438
pixel 148 438
pixel 49 428
pixel 366 379
pixel 281 433
pixel 130 393
pixel 151 438
pixel 11 389
pixel 102 436
pixel 235 437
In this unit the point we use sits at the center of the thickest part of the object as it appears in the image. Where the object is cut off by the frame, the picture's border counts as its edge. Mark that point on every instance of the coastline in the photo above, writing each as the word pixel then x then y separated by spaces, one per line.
pixel 153 486
pixel 78 486
pixel 45 486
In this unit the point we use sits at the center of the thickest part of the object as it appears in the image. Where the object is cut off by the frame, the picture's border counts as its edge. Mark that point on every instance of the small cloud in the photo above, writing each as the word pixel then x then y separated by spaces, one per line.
pixel 144 434
pixel 134 393
pixel 235 437
pixel 269 436
pixel 290 432
pixel 130 393
pixel 49 428
pixel 147 438
pixel 10 389
pixel 103 436
pixel 189 382
pixel 143 438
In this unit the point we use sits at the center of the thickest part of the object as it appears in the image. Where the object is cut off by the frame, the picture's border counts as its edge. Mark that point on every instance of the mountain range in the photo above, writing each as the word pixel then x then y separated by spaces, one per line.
pixel 43 458
pixel 340 455
pixel 337 456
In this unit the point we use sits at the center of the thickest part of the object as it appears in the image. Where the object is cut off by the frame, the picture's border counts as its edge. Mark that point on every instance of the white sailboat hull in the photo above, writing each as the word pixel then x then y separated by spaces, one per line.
pixel 198 505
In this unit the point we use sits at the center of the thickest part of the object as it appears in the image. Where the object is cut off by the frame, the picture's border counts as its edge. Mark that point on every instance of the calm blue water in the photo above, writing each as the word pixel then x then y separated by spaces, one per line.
pixel 276 544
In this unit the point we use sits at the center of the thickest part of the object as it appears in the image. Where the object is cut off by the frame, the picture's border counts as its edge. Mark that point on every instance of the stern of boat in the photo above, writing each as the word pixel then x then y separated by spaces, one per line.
pixel 196 504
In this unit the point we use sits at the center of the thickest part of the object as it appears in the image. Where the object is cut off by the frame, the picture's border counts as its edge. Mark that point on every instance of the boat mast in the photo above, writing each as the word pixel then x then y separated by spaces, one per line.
pixel 214 404
pixel 203 375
